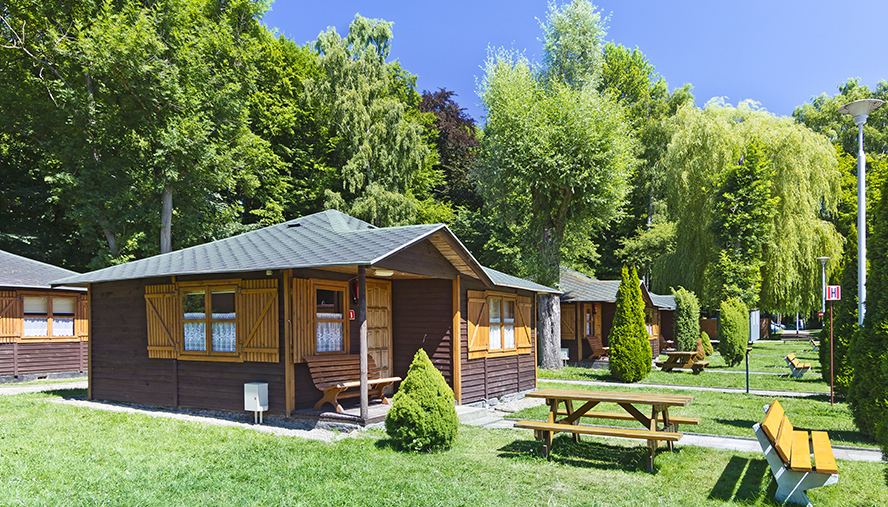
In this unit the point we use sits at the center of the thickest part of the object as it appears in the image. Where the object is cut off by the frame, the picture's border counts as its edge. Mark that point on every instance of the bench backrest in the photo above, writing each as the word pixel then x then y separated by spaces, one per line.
pixel 334 369
pixel 779 430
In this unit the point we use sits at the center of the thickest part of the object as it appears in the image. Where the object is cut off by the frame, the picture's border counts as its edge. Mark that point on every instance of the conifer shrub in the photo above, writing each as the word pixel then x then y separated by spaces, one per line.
pixel 630 349
pixel 687 319
pixel 733 331
pixel 423 416
pixel 707 343
pixel 844 327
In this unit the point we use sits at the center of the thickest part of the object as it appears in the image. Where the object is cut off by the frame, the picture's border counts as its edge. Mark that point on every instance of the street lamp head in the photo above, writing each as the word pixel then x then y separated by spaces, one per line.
pixel 860 109
pixel 823 259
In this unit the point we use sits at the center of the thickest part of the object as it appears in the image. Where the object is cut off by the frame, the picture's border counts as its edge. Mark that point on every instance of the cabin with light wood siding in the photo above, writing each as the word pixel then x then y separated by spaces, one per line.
pixel 43 330
pixel 191 327
pixel 588 307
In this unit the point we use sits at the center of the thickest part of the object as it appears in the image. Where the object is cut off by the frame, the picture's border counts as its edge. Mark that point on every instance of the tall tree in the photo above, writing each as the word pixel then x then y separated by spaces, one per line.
pixel 555 152
pixel 379 138
pixel 687 319
pixel 630 349
pixel 804 184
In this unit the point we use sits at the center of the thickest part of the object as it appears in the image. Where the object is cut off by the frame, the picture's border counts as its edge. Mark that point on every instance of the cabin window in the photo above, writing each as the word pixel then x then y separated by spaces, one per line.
pixel 649 321
pixel 499 324
pixel 330 319
pixel 63 316
pixel 589 321
pixel 213 331
pixel 216 320
pixel 36 316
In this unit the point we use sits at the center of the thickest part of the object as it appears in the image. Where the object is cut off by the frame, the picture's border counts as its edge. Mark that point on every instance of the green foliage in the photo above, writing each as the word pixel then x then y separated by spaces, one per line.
pixel 423 417
pixel 707 343
pixel 804 184
pixel 844 324
pixel 572 44
pixel 687 320
pixel 647 246
pixel 733 331
pixel 630 349
pixel 379 138
pixel 868 393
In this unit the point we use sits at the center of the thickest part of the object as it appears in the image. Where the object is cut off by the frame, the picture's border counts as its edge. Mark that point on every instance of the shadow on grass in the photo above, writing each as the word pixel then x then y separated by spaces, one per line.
pixel 584 454
pixel 68 394
pixel 743 481
pixel 737 423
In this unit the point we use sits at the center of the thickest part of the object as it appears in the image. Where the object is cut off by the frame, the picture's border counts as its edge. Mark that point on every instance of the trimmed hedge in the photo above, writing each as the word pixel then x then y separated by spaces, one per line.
pixel 423 416
pixel 707 343
pixel 733 331
pixel 630 349
pixel 687 319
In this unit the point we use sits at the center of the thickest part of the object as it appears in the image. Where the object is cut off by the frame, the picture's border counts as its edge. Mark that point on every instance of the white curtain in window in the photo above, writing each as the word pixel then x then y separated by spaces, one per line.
pixel 195 336
pixel 508 337
pixel 224 337
pixel 35 326
pixel 330 336
pixel 496 341
pixel 62 326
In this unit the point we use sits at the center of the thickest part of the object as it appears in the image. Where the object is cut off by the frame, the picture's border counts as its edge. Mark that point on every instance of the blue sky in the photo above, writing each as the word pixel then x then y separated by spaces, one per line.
pixel 780 53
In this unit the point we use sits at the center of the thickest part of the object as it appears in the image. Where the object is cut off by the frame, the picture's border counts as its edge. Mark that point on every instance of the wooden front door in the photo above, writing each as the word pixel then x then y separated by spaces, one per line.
pixel 379 325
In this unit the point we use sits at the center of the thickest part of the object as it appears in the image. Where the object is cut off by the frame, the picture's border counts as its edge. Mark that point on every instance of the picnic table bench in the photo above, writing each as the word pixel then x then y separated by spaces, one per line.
pixel 798 368
pixel 335 374
pixel 674 421
pixel 659 427
pixel 789 455
pixel 685 360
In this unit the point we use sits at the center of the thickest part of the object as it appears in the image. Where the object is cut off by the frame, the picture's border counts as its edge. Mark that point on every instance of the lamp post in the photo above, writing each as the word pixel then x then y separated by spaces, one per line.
pixel 823 284
pixel 860 110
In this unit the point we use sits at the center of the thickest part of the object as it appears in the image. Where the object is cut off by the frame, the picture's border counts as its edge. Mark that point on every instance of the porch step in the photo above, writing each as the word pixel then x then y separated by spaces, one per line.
pixel 468 415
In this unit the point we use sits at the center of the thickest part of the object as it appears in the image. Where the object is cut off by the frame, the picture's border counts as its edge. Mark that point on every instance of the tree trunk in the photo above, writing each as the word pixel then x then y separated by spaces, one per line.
pixel 109 235
pixel 549 331
pixel 166 220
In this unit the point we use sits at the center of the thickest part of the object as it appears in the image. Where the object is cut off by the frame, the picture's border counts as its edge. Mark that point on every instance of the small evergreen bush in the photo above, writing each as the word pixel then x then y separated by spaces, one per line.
pixel 630 349
pixel 423 417
pixel 707 343
pixel 733 331
pixel 844 327
pixel 687 319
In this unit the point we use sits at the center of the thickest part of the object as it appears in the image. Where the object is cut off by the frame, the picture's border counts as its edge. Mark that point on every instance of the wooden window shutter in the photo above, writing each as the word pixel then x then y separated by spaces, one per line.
pixel 258 327
pixel 523 334
pixel 303 320
pixel 81 318
pixel 164 321
pixel 568 321
pixel 11 315
pixel 477 319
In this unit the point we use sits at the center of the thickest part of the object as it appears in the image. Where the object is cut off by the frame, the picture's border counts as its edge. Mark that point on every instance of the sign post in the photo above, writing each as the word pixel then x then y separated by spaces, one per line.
pixel 833 293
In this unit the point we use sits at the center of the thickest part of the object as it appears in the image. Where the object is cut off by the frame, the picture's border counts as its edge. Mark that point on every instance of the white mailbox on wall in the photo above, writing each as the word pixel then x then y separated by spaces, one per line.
pixel 256 399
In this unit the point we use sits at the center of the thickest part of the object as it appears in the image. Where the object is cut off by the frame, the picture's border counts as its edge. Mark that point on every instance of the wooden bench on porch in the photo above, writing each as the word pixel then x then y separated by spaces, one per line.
pixel 334 374
pixel 789 454
pixel 798 368
pixel 598 348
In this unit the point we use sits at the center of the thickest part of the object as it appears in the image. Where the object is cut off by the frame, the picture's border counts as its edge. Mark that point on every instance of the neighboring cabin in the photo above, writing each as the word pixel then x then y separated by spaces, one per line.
pixel 43 330
pixel 190 327
pixel 587 313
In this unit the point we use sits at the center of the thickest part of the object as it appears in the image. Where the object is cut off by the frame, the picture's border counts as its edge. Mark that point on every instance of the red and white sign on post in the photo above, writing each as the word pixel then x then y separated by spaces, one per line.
pixel 833 292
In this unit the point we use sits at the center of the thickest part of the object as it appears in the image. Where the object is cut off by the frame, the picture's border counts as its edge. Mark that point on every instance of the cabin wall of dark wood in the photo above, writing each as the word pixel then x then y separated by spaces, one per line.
pixel 42 358
pixel 123 372
pixel 667 324
pixel 608 310
pixel 492 377
pixel 422 317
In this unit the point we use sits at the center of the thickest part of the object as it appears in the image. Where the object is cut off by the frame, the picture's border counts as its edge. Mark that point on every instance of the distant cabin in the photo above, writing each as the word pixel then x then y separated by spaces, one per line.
pixel 588 306
pixel 189 328
pixel 43 330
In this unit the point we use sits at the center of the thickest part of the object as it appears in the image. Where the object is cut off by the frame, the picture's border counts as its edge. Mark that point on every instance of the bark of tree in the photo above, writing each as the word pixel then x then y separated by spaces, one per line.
pixel 109 235
pixel 549 331
pixel 166 220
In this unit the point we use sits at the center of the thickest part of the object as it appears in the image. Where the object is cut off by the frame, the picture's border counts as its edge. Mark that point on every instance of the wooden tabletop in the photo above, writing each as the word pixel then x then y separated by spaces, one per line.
pixel 612 397
pixel 680 353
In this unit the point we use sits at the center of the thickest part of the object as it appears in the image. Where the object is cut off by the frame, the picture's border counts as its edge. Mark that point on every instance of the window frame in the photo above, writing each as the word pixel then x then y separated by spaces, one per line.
pixel 502 297
pixel 208 288
pixel 49 316
pixel 343 288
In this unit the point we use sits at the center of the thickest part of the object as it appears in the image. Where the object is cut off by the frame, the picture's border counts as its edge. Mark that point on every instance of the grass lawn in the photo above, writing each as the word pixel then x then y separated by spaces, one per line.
pixel 53 454
pixel 767 356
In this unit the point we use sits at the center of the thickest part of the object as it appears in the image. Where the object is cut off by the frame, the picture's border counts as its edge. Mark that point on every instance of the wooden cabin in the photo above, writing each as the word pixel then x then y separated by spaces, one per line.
pixel 588 306
pixel 43 330
pixel 189 328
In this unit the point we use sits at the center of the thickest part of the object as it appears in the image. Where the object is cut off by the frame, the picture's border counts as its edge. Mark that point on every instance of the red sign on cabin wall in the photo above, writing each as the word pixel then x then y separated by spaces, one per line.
pixel 833 292
pixel 351 315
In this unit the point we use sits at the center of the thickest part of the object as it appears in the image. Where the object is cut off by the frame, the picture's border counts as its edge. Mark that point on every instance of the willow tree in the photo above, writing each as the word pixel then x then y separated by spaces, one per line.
pixel 555 152
pixel 804 185
pixel 378 136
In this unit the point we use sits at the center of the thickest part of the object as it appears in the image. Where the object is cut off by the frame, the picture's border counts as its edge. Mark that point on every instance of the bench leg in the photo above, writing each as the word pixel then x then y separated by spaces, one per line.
pixel 547 443
pixel 330 396
pixel 652 450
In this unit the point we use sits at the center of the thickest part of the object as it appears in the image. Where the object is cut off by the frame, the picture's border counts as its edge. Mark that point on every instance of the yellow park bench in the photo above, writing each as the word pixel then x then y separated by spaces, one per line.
pixel 797 368
pixel 789 454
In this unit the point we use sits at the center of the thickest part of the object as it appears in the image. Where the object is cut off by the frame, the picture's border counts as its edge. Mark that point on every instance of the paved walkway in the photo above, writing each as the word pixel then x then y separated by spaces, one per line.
pixel 6 389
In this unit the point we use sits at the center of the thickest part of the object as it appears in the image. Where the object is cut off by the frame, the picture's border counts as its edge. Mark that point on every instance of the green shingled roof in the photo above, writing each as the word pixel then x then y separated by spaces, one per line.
pixel 576 286
pixel 504 280
pixel 18 271
pixel 325 239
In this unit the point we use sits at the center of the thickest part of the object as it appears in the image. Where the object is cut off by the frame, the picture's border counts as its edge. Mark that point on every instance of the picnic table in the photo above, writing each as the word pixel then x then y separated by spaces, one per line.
pixel 680 359
pixel 658 427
